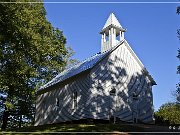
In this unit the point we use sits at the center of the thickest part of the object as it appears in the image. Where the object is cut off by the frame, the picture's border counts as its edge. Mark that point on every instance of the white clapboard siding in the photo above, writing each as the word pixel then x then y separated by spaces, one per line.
pixel 111 83
pixel 46 110
pixel 121 71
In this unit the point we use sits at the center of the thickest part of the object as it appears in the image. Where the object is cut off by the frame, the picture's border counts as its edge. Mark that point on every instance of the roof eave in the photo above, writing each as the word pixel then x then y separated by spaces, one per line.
pixel 112 25
pixel 40 90
pixel 141 65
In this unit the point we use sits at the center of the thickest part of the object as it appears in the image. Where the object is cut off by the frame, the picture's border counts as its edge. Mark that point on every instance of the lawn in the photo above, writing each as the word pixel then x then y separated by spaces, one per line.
pixel 113 128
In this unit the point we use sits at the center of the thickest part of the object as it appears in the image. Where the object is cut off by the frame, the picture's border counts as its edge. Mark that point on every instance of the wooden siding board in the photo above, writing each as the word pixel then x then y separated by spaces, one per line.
pixel 135 80
pixel 118 70
pixel 64 111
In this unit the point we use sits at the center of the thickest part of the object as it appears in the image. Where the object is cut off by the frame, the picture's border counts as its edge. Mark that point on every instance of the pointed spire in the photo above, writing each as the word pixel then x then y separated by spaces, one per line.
pixel 110 32
pixel 112 20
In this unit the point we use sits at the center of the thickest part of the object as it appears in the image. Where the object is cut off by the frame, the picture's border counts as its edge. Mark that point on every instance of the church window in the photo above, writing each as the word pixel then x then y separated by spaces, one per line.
pixel 135 96
pixel 112 92
pixel 74 100
pixel 57 102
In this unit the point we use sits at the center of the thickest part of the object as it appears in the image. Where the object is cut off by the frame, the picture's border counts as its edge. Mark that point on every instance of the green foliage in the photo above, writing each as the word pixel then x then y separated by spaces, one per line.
pixel 176 93
pixel 178 10
pixel 71 62
pixel 32 52
pixel 168 114
pixel 178 71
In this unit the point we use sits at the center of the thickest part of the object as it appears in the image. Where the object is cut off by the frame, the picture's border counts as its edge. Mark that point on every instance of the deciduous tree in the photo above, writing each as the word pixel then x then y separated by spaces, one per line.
pixel 168 113
pixel 177 94
pixel 32 51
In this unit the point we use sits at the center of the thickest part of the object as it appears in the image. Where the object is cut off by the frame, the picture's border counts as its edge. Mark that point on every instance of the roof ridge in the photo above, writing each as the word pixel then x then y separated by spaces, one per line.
pixel 86 64
pixel 79 62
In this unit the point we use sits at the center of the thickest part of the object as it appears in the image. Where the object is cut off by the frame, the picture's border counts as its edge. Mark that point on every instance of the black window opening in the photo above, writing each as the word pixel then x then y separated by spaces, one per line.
pixel 113 92
pixel 57 102
pixel 60 100
pixel 135 96
pixel 74 100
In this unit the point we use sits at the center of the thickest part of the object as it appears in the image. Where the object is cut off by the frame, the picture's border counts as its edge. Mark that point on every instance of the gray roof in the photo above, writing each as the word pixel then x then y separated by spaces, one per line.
pixel 88 64
pixel 76 69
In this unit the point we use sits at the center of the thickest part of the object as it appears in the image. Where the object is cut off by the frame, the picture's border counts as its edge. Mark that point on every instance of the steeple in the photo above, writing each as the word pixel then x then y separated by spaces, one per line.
pixel 110 32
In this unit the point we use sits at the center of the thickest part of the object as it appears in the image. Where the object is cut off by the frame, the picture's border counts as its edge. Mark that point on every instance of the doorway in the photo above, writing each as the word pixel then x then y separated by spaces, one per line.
pixel 135 117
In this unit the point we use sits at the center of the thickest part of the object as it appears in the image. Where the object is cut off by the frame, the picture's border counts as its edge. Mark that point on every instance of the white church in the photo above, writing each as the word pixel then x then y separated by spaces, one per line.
pixel 112 84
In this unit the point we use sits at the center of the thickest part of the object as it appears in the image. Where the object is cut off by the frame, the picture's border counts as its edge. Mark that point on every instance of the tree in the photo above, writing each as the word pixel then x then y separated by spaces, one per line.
pixel 32 52
pixel 178 10
pixel 168 114
pixel 177 93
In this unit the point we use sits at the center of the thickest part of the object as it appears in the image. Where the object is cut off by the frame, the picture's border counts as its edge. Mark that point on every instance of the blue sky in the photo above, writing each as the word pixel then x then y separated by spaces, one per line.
pixel 151 32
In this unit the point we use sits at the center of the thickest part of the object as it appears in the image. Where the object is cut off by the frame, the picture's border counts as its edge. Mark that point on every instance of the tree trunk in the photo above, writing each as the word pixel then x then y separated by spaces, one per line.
pixel 20 121
pixel 5 119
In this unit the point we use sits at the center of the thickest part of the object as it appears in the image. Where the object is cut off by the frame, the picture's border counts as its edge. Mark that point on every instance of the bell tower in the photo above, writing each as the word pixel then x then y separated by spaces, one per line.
pixel 112 33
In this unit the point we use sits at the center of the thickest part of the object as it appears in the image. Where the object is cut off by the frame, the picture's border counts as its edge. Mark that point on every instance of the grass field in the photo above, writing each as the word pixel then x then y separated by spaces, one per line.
pixel 113 128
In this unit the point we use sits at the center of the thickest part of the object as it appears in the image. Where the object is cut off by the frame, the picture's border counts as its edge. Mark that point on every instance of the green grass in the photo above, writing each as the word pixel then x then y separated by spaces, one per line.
pixel 88 128
pixel 77 128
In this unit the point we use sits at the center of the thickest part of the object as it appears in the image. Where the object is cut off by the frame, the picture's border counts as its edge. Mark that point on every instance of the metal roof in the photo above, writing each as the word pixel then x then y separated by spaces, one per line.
pixel 90 63
pixel 76 69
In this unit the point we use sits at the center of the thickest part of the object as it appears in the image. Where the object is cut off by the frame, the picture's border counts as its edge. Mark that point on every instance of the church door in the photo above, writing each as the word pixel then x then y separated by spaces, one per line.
pixel 135 117
pixel 112 105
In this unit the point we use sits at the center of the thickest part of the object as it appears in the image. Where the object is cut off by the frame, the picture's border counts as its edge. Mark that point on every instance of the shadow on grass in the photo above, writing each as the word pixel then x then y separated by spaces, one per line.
pixel 90 128
pixel 79 128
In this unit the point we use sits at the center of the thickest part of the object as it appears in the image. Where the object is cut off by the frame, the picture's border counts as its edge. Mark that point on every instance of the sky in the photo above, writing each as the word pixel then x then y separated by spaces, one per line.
pixel 151 32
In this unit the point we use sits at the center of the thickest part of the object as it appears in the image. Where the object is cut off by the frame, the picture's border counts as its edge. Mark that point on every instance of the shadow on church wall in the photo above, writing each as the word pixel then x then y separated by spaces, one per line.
pixel 115 89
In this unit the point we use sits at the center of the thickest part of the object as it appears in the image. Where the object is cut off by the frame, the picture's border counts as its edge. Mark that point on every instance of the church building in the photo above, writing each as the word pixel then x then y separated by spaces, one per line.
pixel 112 84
